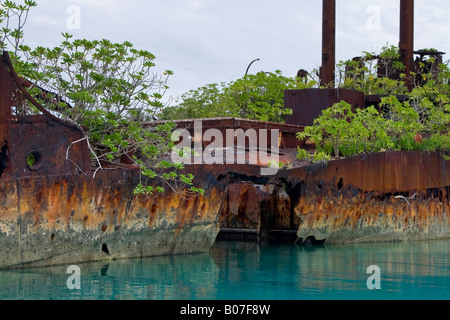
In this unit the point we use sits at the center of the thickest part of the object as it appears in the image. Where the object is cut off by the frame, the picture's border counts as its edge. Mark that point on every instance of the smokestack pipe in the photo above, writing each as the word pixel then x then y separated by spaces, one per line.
pixel 406 44
pixel 328 43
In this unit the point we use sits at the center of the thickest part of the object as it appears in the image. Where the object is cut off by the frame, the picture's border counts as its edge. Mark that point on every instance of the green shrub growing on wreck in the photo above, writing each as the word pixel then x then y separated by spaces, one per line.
pixel 362 73
pixel 257 96
pixel 302 154
pixel 421 121
pixel 340 130
pixel 108 89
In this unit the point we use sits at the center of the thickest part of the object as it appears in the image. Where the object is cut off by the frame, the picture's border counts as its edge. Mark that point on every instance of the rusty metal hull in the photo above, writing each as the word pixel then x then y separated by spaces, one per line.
pixel 76 218
pixel 55 210
pixel 364 218
pixel 390 196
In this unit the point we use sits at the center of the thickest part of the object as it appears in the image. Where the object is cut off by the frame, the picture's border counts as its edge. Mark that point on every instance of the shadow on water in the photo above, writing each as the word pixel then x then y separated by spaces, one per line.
pixel 238 270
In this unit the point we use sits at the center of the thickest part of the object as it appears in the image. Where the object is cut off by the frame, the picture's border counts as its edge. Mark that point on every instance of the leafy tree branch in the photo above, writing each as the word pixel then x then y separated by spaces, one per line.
pixel 108 89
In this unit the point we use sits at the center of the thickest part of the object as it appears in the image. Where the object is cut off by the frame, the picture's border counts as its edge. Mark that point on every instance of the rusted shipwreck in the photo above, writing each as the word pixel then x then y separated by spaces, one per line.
pixel 386 196
pixel 54 211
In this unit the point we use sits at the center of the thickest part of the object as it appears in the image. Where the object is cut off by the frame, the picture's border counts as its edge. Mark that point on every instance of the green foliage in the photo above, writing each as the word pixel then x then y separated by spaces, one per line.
pixel 402 123
pixel 342 131
pixel 10 14
pixel 436 143
pixel 363 74
pixel 420 121
pixel 345 132
pixel 302 154
pixel 321 156
pixel 259 96
pixel 204 102
pixel 108 89
pixel 31 159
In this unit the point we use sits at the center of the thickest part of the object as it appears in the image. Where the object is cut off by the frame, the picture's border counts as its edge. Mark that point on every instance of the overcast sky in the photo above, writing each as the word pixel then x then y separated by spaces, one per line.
pixel 210 41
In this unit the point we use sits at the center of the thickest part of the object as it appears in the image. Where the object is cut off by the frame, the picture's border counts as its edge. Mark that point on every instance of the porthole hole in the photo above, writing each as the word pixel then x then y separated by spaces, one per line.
pixel 34 160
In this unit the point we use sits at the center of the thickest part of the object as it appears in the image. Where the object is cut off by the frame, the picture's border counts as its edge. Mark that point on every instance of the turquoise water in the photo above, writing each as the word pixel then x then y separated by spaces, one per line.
pixel 248 271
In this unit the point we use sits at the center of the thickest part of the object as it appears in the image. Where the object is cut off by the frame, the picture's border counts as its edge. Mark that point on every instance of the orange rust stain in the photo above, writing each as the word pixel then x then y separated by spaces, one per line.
pixel 392 214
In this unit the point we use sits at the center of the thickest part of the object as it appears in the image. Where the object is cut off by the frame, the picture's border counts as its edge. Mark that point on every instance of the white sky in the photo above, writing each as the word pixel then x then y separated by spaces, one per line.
pixel 210 41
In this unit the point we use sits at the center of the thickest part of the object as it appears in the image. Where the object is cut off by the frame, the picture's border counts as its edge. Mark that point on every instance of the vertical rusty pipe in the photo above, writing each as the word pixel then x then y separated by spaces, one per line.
pixel 6 89
pixel 328 43
pixel 406 44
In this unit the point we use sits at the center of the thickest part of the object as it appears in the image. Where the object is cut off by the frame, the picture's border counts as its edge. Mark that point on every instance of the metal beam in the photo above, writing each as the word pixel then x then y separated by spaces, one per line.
pixel 328 43
pixel 406 44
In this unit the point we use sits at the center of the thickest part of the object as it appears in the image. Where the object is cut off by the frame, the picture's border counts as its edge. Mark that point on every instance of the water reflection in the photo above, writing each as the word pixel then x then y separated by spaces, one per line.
pixel 158 278
pixel 412 270
pixel 246 270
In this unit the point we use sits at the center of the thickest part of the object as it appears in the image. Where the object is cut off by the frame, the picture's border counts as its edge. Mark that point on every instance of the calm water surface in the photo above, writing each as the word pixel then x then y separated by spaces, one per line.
pixel 248 271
